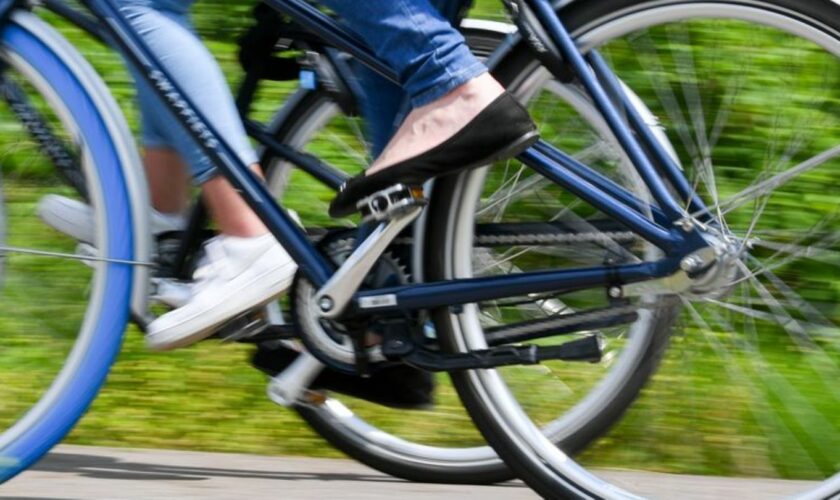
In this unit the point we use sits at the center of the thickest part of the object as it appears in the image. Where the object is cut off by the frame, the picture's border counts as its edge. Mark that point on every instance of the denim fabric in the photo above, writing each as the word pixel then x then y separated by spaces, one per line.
pixel 166 28
pixel 384 104
pixel 412 36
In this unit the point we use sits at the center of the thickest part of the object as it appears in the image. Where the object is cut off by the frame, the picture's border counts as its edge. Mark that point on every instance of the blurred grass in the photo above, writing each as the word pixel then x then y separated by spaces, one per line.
pixel 691 419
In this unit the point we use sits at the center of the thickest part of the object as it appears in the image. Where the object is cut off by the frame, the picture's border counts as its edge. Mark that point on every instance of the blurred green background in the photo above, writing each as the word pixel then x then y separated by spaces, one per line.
pixel 691 418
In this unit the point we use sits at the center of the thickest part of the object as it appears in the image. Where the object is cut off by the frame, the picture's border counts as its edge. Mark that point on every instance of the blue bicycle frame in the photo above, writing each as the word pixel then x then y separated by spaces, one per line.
pixel 667 230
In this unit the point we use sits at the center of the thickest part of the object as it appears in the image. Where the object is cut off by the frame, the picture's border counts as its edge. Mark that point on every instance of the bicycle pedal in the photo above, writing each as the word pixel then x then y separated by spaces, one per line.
pixel 246 325
pixel 391 203
pixel 292 384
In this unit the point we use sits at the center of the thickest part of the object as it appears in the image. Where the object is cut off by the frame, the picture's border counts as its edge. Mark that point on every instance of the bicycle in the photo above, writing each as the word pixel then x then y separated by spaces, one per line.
pixel 176 253
pixel 410 455
pixel 687 274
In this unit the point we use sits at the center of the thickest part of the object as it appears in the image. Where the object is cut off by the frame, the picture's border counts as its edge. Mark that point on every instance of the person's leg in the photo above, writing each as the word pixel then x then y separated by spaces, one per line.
pixel 412 37
pixel 460 115
pixel 385 104
pixel 229 210
pixel 169 179
pixel 246 266
pixel 170 37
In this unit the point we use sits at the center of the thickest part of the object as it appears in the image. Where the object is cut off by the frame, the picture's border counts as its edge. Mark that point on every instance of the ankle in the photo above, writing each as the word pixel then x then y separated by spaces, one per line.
pixel 481 89
pixel 431 124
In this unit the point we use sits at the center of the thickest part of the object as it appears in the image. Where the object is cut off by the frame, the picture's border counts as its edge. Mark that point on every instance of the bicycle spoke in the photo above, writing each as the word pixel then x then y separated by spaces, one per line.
pixel 785 253
pixel 6 250
pixel 767 186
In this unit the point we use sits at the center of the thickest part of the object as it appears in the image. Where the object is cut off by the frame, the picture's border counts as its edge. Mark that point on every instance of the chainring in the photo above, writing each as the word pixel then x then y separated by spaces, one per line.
pixel 328 340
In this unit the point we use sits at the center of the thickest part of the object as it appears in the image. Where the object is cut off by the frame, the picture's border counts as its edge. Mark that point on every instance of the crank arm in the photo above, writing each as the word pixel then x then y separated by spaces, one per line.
pixel 396 208
pixel 287 387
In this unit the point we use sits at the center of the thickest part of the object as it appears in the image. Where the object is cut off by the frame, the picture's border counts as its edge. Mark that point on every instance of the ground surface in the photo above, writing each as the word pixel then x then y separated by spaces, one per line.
pixel 80 472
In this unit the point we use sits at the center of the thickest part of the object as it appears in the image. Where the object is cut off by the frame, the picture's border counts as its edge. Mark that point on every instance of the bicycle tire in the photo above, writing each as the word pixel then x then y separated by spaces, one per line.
pixel 614 26
pixel 46 407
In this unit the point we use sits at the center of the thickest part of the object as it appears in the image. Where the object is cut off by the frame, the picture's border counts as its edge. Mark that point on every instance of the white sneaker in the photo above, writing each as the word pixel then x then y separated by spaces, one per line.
pixel 242 273
pixel 75 218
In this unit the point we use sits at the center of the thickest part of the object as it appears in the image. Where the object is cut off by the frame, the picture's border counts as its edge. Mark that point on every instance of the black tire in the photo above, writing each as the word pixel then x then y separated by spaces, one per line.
pixel 555 477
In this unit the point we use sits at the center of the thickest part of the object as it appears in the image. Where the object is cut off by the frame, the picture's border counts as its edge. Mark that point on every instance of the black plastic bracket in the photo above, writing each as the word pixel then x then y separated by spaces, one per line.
pixel 399 345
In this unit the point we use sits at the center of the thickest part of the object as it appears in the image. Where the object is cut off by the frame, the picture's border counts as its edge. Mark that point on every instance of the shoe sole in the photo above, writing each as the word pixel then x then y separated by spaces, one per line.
pixel 518 146
pixel 53 210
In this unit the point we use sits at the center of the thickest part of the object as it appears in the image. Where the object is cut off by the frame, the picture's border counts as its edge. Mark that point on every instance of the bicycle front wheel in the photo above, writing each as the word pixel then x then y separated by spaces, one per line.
pixel 745 91
pixel 62 312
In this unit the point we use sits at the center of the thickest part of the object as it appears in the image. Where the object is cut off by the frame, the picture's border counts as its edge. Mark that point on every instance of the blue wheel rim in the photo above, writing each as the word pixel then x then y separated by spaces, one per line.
pixel 84 379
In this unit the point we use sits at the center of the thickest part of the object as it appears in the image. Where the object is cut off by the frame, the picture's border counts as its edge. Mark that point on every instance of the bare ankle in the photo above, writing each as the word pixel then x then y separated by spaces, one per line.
pixel 429 125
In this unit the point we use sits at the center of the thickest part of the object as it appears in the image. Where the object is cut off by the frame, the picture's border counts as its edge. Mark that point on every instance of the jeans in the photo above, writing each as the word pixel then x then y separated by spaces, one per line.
pixel 165 27
pixel 401 32
pixel 385 104
pixel 415 39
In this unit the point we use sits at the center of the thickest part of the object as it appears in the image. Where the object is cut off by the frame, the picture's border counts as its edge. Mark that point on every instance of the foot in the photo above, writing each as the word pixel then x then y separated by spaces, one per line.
pixel 242 273
pixel 75 219
pixel 483 133
pixel 429 126
pixel 396 386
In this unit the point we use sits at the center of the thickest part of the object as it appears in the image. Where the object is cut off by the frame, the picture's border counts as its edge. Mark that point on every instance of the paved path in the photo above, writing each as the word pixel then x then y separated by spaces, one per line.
pixel 80 472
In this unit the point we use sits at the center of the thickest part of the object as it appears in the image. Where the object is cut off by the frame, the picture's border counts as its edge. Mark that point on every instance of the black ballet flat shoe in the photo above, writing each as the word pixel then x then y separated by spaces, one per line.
pixel 394 386
pixel 501 130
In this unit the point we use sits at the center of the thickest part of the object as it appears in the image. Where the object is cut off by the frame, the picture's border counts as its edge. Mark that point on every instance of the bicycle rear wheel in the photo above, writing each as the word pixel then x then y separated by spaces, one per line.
pixel 745 92
pixel 439 451
pixel 61 314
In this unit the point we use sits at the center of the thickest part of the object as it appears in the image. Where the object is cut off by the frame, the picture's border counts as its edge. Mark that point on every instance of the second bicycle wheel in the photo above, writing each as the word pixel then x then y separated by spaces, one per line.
pixel 62 311
pixel 746 93
pixel 446 448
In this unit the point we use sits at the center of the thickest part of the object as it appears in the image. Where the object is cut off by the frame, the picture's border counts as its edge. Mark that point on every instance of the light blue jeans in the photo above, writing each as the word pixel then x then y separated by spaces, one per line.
pixel 429 55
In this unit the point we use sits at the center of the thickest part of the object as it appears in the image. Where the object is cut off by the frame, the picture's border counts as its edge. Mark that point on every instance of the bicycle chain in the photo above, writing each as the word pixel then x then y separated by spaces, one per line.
pixel 525 239
pixel 534 239
pixel 577 318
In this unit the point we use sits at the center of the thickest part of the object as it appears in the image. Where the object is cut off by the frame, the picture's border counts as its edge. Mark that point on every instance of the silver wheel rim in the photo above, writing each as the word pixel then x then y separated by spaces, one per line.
pixel 469 331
